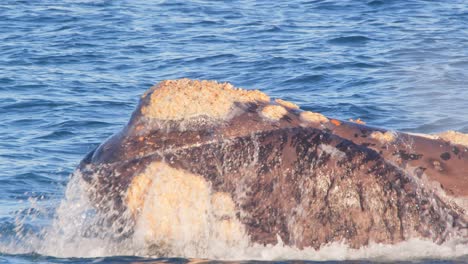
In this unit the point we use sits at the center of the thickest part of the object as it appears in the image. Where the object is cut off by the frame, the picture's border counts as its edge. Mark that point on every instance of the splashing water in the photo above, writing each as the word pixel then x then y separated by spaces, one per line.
pixel 77 230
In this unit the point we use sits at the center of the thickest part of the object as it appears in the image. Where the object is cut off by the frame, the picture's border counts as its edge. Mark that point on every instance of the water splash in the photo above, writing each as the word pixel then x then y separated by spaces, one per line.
pixel 77 230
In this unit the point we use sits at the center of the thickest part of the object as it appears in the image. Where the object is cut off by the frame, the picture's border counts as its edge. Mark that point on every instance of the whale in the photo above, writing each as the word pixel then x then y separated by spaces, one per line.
pixel 205 161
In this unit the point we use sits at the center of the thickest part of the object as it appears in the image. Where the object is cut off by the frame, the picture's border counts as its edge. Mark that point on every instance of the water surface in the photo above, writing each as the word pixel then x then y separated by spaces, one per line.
pixel 71 73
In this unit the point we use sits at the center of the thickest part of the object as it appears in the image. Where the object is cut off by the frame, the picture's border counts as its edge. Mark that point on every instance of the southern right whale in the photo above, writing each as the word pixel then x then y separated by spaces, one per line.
pixel 202 160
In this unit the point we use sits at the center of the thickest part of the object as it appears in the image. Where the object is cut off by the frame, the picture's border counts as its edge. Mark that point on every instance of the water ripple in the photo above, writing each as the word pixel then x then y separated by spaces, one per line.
pixel 72 71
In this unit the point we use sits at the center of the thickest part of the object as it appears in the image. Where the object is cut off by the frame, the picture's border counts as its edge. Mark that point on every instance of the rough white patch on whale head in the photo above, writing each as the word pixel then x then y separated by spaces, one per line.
pixel 273 112
pixel 185 99
pixel 178 214
pixel 311 117
pixel 286 104
pixel 454 137
pixel 385 138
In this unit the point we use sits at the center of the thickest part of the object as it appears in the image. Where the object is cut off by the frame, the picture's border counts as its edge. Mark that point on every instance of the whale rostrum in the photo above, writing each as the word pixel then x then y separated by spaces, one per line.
pixel 205 160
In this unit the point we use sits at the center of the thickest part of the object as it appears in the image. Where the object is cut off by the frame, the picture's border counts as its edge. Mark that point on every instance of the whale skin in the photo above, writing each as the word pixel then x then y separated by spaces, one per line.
pixel 236 165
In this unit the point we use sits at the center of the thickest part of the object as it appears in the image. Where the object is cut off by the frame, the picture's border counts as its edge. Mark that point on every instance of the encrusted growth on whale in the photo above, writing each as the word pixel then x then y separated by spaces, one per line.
pixel 184 99
pixel 312 117
pixel 274 112
pixel 384 137
pixel 286 104
pixel 454 137
pixel 173 206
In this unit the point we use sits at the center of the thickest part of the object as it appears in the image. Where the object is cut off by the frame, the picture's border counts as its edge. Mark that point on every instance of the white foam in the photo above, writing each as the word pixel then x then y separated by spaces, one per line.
pixel 407 250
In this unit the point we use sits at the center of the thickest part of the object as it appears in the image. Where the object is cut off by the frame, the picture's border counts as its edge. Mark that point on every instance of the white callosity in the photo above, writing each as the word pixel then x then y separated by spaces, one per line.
pixel 185 99
pixel 384 137
pixel 311 117
pixel 286 104
pixel 178 213
pixel 454 137
pixel 273 112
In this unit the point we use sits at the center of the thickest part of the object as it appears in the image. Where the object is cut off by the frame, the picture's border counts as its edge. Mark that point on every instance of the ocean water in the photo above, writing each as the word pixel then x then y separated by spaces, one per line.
pixel 71 73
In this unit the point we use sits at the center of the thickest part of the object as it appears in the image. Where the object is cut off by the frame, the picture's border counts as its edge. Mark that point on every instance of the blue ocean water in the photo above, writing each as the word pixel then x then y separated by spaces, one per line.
pixel 71 73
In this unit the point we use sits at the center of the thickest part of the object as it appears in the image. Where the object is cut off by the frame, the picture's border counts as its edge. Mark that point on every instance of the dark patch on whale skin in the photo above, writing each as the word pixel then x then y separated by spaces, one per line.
pixel 407 156
pixel 445 156
pixel 455 150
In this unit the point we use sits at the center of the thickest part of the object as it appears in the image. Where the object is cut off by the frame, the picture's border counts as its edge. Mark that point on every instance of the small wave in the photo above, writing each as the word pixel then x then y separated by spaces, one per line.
pixel 350 40
pixel 226 56
pixel 306 78
pixel 5 80
pixel 36 104
pixel 72 124
pixel 59 134
pixel 273 29
pixel 376 3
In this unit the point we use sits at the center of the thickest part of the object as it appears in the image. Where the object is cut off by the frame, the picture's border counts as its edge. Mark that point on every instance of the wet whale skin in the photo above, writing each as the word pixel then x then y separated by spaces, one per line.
pixel 308 182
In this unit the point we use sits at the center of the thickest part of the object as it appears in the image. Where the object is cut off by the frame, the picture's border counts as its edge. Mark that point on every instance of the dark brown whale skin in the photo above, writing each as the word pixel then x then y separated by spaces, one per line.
pixel 309 183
